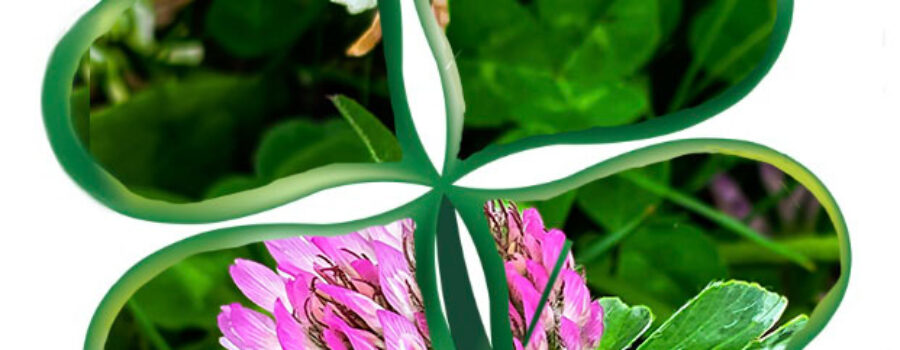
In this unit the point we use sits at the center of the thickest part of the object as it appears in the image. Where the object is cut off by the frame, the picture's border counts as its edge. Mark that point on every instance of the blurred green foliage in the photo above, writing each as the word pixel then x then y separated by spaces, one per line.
pixel 185 100
pixel 183 95
pixel 659 251
pixel 547 66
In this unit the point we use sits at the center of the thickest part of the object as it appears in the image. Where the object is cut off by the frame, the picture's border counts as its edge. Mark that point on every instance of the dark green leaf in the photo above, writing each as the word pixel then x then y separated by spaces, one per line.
pixel 381 142
pixel 613 202
pixel 251 28
pixel 670 260
pixel 622 324
pixel 181 136
pixel 299 145
pixel 556 210
pixel 780 338
pixel 670 12
pixel 519 64
pixel 729 37
pixel 618 45
pixel 725 315
pixel 182 295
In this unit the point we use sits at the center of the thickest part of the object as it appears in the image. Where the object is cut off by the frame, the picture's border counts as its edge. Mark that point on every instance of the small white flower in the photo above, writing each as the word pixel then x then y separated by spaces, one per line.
pixel 357 6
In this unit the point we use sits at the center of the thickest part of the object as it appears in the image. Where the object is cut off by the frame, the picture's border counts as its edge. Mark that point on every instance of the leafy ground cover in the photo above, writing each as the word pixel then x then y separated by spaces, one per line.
pixel 181 98
pixel 674 247
pixel 185 100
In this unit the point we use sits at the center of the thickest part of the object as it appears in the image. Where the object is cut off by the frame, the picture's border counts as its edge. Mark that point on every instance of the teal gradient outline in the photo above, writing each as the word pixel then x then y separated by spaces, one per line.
pixel 102 186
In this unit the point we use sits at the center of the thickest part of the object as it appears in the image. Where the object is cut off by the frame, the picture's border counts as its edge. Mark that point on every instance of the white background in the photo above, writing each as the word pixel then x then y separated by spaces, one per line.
pixel 831 102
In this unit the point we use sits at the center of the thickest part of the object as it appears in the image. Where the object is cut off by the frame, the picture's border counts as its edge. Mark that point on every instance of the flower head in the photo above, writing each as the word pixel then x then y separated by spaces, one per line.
pixel 354 291
pixel 570 320
pixel 358 291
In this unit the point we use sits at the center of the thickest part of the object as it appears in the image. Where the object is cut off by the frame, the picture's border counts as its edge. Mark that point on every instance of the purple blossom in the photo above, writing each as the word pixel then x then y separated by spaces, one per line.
pixel 358 291
pixel 355 291
pixel 570 320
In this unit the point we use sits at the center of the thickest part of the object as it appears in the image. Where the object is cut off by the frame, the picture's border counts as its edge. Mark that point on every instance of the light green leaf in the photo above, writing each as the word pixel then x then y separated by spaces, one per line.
pixel 725 315
pixel 379 140
pixel 252 28
pixel 622 324
pixel 779 339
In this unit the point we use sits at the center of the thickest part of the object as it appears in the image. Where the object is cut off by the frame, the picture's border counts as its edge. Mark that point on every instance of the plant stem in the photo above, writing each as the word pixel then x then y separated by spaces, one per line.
pixel 754 38
pixel 147 326
pixel 600 248
pixel 818 248
pixel 722 219
pixel 684 88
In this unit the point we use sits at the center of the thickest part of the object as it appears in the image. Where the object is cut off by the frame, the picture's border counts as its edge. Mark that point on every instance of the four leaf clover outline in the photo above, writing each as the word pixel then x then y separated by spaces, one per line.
pixel 425 87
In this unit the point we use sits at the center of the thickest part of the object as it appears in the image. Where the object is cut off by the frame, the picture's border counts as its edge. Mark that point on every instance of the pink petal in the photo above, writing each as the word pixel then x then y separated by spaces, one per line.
pixel 366 270
pixel 334 340
pixel 516 322
pixel 230 338
pixel 363 306
pixel 409 240
pixel 523 293
pixel 551 247
pixel 293 254
pixel 534 224
pixel 391 234
pixel 593 329
pixel 518 344
pixel 290 333
pixel 258 283
pixel 537 274
pixel 358 339
pixel 533 250
pixel 570 334
pixel 298 292
pixel 395 278
pixel 576 297
pixel 344 249
pixel 538 339
pixel 422 324
pixel 227 344
pixel 244 328
pixel 399 332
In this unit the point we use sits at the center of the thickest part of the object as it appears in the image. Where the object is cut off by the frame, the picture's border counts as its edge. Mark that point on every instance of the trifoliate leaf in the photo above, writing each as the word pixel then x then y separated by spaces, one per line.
pixel 622 324
pixel 780 338
pixel 725 315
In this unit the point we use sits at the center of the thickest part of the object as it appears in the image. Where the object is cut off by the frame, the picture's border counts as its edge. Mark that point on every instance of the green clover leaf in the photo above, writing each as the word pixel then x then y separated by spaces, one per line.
pixel 426 93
